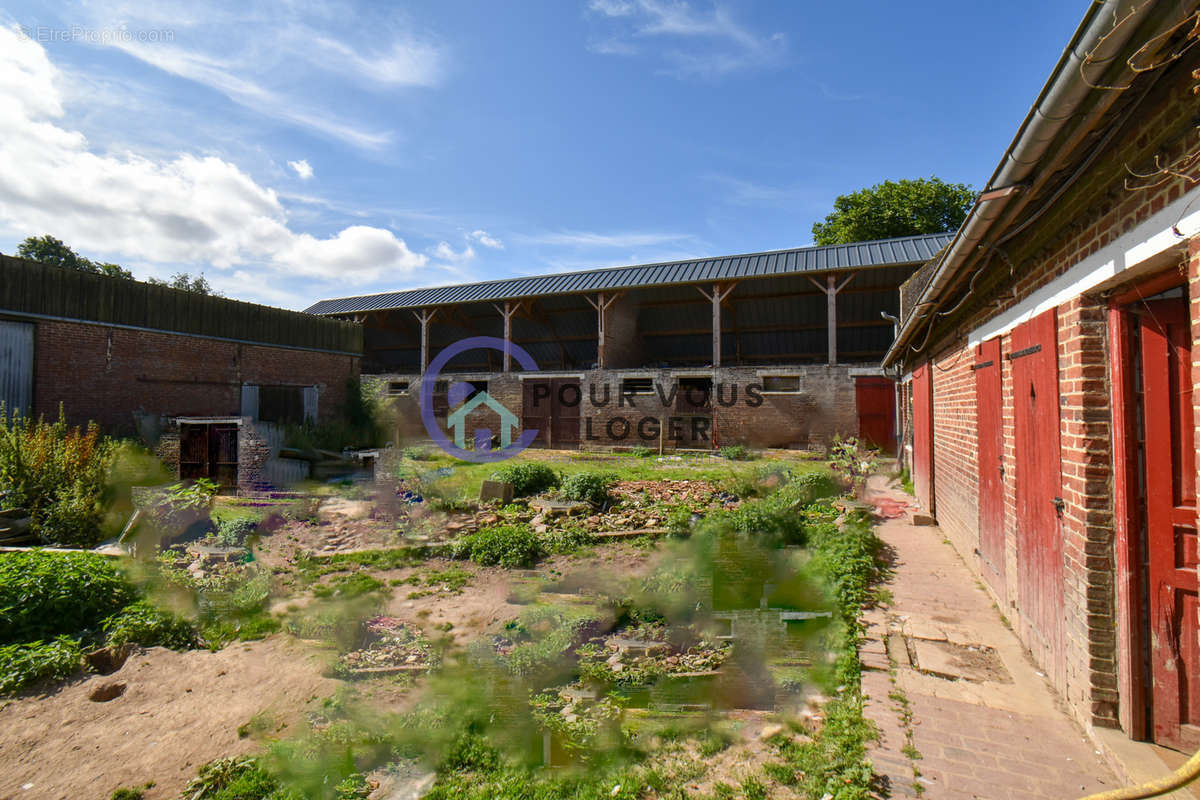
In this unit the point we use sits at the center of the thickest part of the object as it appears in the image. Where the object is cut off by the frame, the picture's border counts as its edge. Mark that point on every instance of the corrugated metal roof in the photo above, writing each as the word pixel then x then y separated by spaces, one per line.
pixel 904 250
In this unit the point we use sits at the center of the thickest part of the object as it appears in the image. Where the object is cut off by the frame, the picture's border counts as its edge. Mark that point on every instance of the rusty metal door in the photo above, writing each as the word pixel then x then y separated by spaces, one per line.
pixel 922 411
pixel 1170 481
pixel 1036 417
pixel 989 431
pixel 16 367
pixel 876 401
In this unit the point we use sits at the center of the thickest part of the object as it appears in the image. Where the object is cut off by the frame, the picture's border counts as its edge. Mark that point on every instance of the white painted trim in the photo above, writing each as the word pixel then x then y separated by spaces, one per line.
pixel 906 378
pixel 1147 240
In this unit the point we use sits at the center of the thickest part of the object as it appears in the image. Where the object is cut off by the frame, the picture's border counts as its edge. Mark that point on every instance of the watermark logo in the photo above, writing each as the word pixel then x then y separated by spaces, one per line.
pixel 80 33
pixel 462 402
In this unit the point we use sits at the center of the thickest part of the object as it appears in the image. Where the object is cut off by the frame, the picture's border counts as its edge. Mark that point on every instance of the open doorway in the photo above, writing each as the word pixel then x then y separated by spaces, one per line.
pixel 1156 491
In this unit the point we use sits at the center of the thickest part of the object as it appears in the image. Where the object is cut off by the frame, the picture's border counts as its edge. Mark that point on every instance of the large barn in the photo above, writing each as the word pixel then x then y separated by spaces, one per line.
pixel 774 349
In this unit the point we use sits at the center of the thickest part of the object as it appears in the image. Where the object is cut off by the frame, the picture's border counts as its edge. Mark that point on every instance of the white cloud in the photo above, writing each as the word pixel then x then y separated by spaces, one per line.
pixel 407 62
pixel 274 63
pixel 182 209
pixel 487 240
pixel 216 74
pixel 729 46
pixel 447 253
pixel 302 168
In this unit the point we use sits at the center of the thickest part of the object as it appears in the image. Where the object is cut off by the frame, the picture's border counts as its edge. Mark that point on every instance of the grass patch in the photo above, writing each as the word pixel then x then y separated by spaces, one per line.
pixel 834 762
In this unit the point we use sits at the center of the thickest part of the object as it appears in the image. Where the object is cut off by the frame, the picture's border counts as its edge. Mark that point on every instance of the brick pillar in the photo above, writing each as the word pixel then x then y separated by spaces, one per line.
pixel 1088 524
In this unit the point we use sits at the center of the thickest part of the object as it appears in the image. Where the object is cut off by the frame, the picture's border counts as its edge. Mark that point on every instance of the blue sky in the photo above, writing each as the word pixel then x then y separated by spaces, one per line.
pixel 305 150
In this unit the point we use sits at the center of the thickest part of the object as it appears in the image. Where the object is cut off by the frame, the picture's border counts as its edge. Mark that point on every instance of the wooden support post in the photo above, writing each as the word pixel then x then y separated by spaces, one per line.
pixel 507 310
pixel 719 293
pixel 831 289
pixel 601 303
pixel 425 316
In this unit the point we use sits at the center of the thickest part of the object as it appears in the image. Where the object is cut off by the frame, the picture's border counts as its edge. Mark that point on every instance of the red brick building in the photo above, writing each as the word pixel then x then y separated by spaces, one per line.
pixel 125 353
pixel 1049 375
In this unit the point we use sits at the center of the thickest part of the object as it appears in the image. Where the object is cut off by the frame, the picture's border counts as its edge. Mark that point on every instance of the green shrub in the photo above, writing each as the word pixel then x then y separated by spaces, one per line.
pixel 128 793
pixel 528 478
pixel 590 487
pixel 183 504
pixel 810 488
pixel 150 626
pixel 238 778
pixel 679 521
pixel 769 517
pixel 58 473
pixel 500 545
pixel 417 453
pixel 849 458
pixel 44 593
pixel 234 532
pixel 735 452
pixel 26 663
pixel 641 451
pixel 567 540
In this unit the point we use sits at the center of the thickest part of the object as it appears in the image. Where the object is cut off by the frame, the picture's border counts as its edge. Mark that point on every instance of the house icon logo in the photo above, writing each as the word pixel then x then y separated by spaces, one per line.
pixel 463 399
pixel 457 420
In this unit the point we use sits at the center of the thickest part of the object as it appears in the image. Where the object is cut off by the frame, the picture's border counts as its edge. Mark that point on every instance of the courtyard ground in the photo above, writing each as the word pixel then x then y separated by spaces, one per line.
pixel 962 711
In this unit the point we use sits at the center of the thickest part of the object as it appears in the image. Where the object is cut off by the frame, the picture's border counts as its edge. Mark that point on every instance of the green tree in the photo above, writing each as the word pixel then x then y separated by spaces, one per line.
pixel 49 250
pixel 184 281
pixel 895 208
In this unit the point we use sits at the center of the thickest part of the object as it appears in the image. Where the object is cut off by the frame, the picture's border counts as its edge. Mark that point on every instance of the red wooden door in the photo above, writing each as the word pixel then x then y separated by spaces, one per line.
pixel 1171 522
pixel 989 431
pixel 1037 415
pixel 876 401
pixel 922 404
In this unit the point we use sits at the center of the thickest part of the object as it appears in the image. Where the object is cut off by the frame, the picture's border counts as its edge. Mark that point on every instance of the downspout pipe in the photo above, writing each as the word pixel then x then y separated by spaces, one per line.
pixel 1058 102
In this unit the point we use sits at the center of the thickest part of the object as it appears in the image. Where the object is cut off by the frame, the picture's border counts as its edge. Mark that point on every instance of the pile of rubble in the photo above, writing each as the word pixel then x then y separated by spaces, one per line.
pixel 695 494
pixel 389 646
pixel 640 661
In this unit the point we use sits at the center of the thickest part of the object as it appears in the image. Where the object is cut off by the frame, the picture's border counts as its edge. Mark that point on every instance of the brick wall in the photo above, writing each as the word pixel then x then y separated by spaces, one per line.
pixel 1088 216
pixel 956 471
pixel 824 406
pixel 109 374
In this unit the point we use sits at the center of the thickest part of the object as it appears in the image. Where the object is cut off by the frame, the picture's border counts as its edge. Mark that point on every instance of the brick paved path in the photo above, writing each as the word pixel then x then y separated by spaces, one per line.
pixel 995 732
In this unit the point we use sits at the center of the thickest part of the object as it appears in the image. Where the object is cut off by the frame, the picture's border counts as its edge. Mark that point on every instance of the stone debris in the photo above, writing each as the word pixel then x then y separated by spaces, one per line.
pixel 389 645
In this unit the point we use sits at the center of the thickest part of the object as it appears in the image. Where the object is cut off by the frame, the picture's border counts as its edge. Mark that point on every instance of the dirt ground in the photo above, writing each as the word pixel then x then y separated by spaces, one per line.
pixel 178 711
pixel 181 710
pixel 172 712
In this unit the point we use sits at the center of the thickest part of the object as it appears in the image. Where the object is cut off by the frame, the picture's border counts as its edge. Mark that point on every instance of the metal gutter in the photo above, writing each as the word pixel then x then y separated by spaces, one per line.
pixel 1059 101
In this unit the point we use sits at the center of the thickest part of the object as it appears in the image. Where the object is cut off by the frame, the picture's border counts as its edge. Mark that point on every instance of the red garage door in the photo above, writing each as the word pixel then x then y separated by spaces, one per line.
pixel 876 400
pixel 922 460
pixel 1036 416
